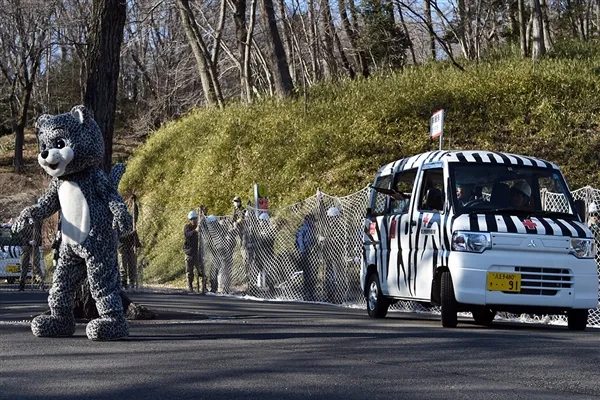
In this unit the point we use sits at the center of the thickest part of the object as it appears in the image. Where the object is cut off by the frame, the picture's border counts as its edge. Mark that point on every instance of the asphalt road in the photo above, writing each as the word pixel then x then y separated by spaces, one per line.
pixel 209 347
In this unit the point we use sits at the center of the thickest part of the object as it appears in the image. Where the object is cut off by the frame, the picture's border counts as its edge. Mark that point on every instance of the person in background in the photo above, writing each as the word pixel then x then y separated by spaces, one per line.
pixel 190 248
pixel 594 225
pixel 238 211
pixel 305 244
pixel 334 256
pixel 128 245
pixel 30 251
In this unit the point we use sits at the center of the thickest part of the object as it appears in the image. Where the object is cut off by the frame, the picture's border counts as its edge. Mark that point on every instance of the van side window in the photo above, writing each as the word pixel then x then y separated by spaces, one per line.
pixel 431 197
pixel 379 200
pixel 403 183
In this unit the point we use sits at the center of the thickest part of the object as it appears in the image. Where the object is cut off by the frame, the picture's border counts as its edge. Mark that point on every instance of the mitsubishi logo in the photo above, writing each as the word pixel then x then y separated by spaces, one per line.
pixel 531 243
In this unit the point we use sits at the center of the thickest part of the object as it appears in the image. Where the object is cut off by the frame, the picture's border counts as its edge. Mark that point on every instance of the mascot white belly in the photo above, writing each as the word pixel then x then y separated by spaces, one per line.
pixel 75 223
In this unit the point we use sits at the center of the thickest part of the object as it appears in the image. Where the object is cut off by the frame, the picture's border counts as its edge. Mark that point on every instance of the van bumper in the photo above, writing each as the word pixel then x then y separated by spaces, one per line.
pixel 550 280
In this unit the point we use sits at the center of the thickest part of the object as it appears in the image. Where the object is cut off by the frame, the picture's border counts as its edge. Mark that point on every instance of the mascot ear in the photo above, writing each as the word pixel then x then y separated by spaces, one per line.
pixel 41 119
pixel 81 114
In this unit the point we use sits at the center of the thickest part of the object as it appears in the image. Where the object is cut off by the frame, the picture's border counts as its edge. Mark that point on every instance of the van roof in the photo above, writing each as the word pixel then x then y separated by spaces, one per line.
pixel 463 156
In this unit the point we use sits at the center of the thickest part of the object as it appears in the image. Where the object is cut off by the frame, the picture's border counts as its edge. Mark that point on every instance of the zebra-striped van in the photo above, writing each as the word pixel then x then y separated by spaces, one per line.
pixel 478 231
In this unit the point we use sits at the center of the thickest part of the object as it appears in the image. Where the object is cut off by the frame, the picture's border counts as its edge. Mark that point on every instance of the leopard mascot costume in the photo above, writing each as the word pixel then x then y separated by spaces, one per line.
pixel 71 151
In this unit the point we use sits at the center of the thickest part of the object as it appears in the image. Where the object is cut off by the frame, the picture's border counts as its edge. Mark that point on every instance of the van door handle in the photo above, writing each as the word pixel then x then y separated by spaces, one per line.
pixel 371 242
pixel 413 223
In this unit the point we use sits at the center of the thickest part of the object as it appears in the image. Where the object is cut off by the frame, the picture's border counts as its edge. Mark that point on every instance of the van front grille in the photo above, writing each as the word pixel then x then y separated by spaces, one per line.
pixel 543 281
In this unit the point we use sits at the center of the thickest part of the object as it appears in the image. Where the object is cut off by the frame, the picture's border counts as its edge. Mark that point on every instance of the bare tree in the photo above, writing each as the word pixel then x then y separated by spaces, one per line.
pixel 281 73
pixel 523 30
pixel 327 31
pixel 429 22
pixel 24 30
pixel 538 48
pixel 206 68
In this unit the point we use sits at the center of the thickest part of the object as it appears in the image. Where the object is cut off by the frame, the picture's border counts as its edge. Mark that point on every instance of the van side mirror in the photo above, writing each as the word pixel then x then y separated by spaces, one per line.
pixel 580 208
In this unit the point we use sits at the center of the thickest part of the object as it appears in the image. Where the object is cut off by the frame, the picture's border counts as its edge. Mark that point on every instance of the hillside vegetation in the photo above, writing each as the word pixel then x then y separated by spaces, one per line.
pixel 337 135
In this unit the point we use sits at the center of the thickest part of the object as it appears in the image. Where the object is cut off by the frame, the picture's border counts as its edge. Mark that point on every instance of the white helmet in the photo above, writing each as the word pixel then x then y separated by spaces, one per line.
pixel 192 215
pixel 333 212
pixel 263 216
pixel 522 187
pixel 593 208
pixel 211 218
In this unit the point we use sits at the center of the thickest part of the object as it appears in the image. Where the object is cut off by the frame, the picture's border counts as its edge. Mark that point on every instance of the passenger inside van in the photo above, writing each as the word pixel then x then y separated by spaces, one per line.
pixel 520 195
pixel 400 201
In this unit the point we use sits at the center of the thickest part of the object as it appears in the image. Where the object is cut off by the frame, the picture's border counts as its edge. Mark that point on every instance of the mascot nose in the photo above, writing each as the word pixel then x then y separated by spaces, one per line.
pixel 44 154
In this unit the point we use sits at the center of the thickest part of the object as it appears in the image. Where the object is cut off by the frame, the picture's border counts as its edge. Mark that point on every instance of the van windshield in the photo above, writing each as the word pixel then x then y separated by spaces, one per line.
pixel 510 189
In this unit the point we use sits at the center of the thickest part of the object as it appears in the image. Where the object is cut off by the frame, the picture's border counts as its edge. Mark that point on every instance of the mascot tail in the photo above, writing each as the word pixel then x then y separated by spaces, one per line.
pixel 116 173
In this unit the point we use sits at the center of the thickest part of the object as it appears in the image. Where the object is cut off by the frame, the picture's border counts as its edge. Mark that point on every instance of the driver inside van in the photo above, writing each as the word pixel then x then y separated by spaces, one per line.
pixel 520 195
pixel 464 192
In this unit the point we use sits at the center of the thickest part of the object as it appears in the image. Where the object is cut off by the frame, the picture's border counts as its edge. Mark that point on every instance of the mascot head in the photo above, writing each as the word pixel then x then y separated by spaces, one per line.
pixel 69 143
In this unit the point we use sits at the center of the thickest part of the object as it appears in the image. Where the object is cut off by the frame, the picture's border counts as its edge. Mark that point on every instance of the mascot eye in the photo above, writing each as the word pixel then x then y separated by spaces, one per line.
pixel 60 143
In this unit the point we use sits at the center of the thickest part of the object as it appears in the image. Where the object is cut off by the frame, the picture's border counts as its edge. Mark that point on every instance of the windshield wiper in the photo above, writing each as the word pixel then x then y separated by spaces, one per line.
pixel 505 210
pixel 552 214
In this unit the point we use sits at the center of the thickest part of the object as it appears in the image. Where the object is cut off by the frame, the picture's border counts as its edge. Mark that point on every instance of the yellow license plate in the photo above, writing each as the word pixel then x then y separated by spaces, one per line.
pixel 505 282
pixel 13 269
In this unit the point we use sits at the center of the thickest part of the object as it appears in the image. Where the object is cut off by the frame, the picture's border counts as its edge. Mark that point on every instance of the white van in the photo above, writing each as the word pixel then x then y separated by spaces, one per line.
pixel 478 231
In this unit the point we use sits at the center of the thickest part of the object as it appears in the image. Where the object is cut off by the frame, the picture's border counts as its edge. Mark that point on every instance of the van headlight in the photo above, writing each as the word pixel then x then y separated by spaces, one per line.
pixel 473 242
pixel 583 248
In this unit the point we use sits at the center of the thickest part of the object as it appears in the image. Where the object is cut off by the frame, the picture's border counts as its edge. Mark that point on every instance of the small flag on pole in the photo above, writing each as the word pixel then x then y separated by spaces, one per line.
pixel 436 124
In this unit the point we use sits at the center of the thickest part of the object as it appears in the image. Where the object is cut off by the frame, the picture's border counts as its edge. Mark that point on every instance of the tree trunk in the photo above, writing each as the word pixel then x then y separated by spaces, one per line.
pixel 411 47
pixel 287 38
pixel 359 57
pixel 104 50
pixel 523 29
pixel 200 52
pixel 546 25
pixel 345 61
pixel 327 41
pixel 538 47
pixel 429 22
pixel 311 38
pixel 241 31
pixel 20 127
pixel 281 73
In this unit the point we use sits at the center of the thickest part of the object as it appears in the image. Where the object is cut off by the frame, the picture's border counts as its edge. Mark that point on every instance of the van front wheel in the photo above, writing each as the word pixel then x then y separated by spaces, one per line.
pixel 448 301
pixel 377 303
pixel 577 319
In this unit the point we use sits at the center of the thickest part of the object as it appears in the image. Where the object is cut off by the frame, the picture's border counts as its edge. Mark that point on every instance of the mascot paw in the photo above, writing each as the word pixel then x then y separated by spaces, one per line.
pixel 52 326
pixel 107 328
pixel 23 220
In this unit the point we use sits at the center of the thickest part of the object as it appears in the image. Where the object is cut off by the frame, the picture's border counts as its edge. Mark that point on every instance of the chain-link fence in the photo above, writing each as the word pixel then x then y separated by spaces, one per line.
pixel 309 251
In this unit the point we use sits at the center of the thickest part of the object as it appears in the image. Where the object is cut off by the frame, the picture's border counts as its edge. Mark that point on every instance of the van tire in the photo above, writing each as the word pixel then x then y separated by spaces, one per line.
pixel 483 316
pixel 448 300
pixel 377 303
pixel 577 319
